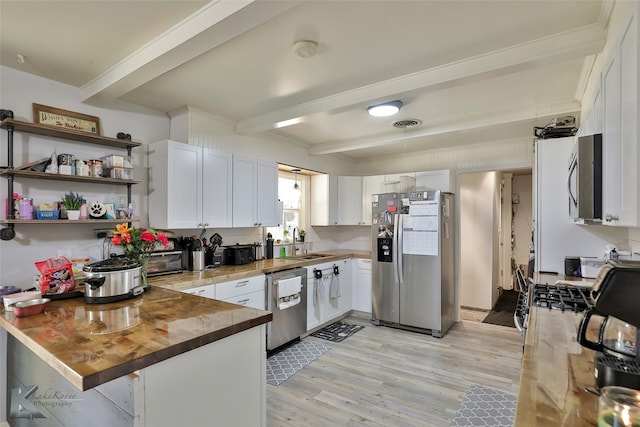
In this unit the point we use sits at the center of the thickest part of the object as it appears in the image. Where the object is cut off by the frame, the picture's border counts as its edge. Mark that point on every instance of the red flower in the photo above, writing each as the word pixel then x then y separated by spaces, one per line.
pixel 147 236
pixel 116 240
pixel 163 239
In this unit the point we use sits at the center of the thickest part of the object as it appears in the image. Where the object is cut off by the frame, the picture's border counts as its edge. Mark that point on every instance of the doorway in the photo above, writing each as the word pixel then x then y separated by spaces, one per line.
pixel 495 232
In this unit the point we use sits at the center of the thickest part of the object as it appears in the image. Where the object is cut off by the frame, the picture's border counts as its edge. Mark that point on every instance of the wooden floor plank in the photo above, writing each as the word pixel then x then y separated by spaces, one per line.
pixel 382 376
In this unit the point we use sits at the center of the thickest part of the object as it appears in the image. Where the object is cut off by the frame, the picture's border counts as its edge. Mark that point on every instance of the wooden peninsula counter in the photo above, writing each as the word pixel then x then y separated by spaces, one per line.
pixel 556 373
pixel 164 358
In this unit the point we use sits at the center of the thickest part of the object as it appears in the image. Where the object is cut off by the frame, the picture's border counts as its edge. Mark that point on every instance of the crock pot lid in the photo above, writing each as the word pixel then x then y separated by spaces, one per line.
pixel 111 264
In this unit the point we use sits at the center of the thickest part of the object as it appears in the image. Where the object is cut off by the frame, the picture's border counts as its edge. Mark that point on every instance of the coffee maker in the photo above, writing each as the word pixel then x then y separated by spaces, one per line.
pixel 616 295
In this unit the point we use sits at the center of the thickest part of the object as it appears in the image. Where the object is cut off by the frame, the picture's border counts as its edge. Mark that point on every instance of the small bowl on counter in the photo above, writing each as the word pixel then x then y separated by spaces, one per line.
pixel 29 307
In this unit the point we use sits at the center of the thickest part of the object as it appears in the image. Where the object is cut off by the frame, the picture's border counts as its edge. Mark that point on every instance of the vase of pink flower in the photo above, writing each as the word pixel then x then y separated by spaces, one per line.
pixel 137 244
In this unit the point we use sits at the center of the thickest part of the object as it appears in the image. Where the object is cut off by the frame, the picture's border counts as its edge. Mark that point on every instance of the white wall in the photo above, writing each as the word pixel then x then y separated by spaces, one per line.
pixel 498 155
pixel 522 219
pixel 478 249
pixel 36 242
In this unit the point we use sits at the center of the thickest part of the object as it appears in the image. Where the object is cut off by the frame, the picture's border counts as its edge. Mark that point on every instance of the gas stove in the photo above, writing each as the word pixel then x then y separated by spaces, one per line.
pixel 561 297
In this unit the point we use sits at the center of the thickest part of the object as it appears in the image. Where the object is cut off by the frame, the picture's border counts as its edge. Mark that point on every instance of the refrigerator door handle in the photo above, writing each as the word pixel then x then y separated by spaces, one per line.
pixel 394 248
pixel 399 238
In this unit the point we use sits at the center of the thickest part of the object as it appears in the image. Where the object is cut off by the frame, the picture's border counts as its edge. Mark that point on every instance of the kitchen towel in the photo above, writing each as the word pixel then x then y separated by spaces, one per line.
pixel 334 289
pixel 289 292
pixel 318 290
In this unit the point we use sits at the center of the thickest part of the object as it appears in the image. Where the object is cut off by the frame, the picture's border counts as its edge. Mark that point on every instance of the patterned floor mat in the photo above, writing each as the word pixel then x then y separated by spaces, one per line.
pixel 337 331
pixel 484 406
pixel 281 366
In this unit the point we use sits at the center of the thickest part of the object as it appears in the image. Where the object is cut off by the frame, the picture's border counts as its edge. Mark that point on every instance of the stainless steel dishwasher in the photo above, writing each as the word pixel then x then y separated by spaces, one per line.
pixel 289 323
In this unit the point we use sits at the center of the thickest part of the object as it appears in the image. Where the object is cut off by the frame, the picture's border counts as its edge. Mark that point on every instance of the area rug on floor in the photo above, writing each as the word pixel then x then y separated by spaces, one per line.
pixel 483 406
pixel 502 312
pixel 337 331
pixel 281 366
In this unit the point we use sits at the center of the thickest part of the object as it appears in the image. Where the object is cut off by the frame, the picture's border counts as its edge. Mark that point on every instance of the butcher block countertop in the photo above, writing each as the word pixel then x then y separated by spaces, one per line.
pixel 556 370
pixel 90 344
pixel 224 273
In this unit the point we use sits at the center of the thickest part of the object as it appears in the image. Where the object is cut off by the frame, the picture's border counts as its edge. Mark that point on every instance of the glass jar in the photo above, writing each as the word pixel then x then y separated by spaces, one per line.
pixel 618 407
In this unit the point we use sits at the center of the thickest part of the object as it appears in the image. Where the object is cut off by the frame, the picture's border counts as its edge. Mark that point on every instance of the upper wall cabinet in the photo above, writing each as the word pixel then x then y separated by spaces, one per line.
pixel 189 186
pixel 255 193
pixel 336 200
pixel 621 128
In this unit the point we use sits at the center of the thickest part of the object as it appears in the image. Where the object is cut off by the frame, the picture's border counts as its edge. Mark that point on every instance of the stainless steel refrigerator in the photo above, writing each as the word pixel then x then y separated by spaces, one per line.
pixel 413 257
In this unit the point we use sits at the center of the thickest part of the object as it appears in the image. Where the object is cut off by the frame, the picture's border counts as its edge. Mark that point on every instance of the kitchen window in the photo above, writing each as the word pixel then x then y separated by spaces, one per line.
pixel 294 203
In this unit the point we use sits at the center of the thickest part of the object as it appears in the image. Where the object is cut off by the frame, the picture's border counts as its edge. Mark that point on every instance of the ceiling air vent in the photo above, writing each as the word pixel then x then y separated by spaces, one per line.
pixel 407 123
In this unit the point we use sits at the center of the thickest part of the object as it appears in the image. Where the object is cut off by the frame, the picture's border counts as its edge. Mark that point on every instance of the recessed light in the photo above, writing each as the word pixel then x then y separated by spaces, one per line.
pixel 386 109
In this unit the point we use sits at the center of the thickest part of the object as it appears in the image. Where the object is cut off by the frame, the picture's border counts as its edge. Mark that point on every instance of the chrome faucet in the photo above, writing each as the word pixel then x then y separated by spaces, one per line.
pixel 293 249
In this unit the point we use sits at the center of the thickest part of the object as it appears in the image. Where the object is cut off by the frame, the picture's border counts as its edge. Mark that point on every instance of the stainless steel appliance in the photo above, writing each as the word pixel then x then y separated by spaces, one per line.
pixel 112 279
pixel 566 297
pixel 413 238
pixel 290 310
pixel 615 291
pixel 166 262
pixel 585 180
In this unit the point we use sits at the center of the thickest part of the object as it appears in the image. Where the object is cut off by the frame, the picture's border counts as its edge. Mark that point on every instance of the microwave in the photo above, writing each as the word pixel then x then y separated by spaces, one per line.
pixel 585 180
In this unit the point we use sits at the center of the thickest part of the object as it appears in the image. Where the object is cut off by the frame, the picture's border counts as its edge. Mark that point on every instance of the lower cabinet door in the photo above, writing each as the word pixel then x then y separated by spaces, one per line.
pixel 207 291
pixel 253 300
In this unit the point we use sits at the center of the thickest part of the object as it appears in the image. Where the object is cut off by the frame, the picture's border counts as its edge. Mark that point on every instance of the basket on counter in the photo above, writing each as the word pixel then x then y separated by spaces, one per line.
pixel 47 214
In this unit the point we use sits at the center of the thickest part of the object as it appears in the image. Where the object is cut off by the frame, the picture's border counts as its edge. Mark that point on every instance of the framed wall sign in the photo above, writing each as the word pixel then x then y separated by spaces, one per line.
pixel 51 116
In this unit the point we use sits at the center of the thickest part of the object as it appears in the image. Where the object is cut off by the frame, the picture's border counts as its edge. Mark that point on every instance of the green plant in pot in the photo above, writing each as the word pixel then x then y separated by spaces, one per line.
pixel 72 203
pixel 302 234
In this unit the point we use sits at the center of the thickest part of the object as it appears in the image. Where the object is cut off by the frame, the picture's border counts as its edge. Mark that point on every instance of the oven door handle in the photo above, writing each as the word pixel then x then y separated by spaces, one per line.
pixel 516 321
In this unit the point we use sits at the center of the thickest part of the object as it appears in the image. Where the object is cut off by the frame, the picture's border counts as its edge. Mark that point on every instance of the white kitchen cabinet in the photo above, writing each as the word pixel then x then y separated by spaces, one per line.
pixel 620 92
pixel 250 291
pixel 361 296
pixel 336 200
pixel 206 291
pixel 327 309
pixel 255 192
pixel 189 186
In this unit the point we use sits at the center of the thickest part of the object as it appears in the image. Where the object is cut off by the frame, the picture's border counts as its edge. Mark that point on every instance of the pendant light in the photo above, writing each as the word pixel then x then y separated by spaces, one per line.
pixel 296 172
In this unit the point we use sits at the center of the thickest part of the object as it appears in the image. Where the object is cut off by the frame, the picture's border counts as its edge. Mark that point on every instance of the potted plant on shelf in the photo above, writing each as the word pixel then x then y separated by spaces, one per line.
pixel 72 203
pixel 302 234
pixel 286 235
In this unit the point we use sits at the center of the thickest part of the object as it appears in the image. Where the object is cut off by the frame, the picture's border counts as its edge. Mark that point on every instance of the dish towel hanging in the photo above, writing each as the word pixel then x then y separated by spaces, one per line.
pixel 289 292
pixel 318 287
pixel 334 289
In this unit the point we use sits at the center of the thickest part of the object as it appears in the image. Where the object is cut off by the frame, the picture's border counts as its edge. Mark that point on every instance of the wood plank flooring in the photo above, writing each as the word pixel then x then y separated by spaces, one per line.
pixel 383 376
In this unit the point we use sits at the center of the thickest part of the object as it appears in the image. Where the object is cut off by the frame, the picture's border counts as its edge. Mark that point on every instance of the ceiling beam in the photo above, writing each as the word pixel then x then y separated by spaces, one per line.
pixel 209 27
pixel 486 120
pixel 567 45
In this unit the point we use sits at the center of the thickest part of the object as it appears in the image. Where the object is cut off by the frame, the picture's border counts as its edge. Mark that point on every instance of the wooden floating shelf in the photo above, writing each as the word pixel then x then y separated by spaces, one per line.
pixel 70 134
pixel 66 221
pixel 60 177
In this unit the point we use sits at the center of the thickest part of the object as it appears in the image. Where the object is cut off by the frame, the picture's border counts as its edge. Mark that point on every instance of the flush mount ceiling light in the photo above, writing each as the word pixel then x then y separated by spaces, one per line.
pixel 305 48
pixel 386 109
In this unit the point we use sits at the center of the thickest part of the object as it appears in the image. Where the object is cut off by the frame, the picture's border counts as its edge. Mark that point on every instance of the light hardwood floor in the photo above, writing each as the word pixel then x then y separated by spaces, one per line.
pixel 383 376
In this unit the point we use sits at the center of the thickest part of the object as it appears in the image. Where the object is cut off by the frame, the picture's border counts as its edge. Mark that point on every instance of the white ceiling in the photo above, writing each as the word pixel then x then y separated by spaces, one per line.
pixel 472 71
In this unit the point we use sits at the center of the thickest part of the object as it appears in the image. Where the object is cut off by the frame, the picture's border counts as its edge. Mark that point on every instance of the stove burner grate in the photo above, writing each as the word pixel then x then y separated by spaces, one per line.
pixel 562 297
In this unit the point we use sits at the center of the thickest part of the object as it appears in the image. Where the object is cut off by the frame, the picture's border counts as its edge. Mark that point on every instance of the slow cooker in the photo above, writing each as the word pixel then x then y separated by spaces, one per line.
pixel 112 279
